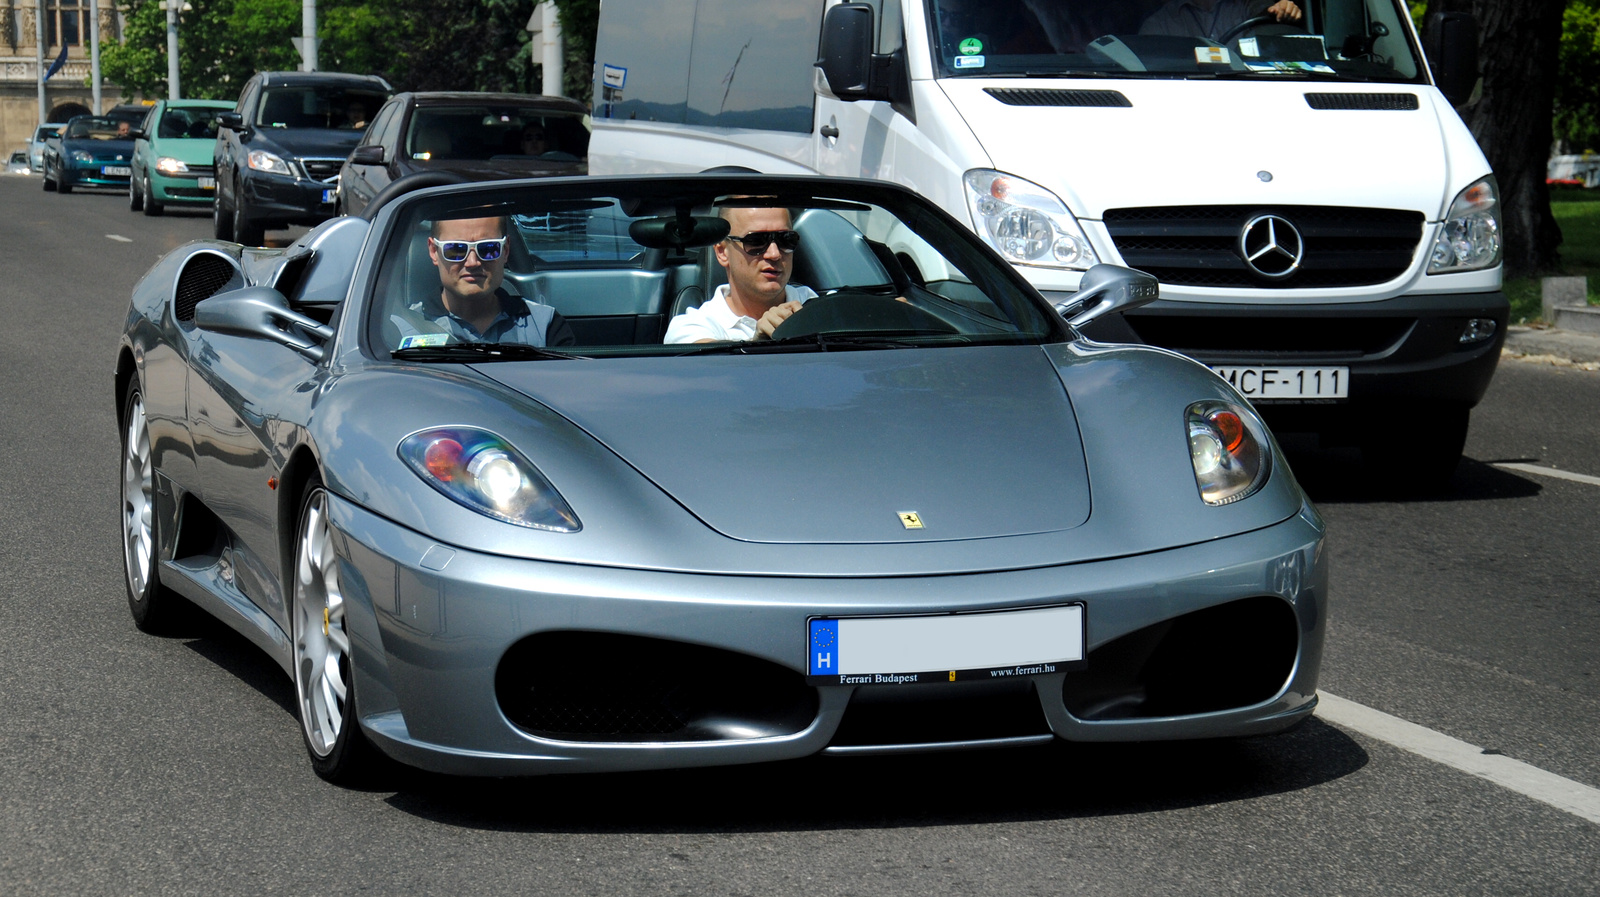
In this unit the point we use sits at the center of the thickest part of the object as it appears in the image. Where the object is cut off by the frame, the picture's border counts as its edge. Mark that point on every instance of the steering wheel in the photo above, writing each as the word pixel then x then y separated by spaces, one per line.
pixel 855 311
pixel 1256 22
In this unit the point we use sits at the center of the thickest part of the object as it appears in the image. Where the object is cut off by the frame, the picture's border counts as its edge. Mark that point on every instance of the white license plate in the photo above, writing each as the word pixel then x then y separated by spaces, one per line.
pixel 116 171
pixel 1287 382
pixel 206 183
pixel 327 196
pixel 945 647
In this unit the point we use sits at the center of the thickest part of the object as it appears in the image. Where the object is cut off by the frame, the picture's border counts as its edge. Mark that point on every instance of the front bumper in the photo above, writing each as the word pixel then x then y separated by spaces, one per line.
pixel 278 200
pixel 182 189
pixel 1401 351
pixel 431 626
pixel 83 174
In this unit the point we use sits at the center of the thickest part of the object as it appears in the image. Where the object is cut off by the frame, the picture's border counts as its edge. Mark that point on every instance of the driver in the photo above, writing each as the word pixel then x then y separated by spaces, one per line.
pixel 759 256
pixel 1212 18
pixel 471 306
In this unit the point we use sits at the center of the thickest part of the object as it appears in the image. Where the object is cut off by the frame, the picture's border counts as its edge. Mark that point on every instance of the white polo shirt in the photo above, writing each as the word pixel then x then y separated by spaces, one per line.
pixel 715 320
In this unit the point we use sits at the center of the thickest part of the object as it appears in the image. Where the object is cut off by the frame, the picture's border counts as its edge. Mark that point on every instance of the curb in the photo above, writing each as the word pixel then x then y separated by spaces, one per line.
pixel 1578 348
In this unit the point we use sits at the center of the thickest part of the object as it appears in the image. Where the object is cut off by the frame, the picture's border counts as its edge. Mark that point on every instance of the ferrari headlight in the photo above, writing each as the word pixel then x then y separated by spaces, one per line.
pixel 169 165
pixel 482 471
pixel 261 160
pixel 1469 238
pixel 1228 450
pixel 81 156
pixel 1026 223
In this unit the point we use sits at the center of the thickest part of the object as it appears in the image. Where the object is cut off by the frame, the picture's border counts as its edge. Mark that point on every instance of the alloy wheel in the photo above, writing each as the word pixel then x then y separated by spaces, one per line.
pixel 321 645
pixel 138 501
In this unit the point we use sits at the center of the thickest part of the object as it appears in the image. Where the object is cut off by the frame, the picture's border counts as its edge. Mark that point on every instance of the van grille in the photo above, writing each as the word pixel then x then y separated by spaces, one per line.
pixel 1199 245
pixel 1382 102
pixel 1019 96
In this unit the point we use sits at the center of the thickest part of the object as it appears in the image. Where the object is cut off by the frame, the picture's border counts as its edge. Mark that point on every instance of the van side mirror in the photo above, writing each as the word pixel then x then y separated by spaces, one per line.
pixel 1105 289
pixel 845 56
pixel 262 313
pixel 1450 41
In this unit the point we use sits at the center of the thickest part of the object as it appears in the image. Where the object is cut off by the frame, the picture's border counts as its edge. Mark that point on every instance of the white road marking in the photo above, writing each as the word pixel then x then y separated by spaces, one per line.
pixel 1539 470
pixel 1530 781
pixel 119 238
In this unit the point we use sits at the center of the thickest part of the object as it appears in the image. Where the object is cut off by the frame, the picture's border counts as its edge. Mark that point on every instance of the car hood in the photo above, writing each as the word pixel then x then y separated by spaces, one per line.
pixel 326 142
pixel 100 149
pixel 977 442
pixel 189 150
pixel 1181 143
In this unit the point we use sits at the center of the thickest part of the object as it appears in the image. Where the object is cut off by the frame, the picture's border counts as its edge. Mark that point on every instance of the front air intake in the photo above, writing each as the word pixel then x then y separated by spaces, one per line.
pixel 1380 102
pixel 204 275
pixel 1024 96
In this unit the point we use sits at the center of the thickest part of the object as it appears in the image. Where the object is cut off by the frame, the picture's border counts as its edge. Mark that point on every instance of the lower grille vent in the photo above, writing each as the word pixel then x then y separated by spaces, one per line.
pixel 204 275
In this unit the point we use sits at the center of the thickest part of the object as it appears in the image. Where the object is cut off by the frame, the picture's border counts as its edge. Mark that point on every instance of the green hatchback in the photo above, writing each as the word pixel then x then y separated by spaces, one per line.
pixel 172 157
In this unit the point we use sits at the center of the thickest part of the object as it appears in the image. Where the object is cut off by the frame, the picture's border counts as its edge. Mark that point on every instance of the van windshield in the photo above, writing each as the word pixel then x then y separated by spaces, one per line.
pixel 1335 40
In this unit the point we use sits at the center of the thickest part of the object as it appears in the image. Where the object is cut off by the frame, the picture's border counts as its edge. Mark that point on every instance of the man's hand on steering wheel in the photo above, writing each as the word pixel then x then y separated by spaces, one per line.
pixel 775 315
pixel 1284 12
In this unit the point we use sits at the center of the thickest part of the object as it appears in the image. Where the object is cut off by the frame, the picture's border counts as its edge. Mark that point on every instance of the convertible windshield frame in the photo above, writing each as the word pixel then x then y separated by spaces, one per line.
pixel 1100 39
pixel 977 299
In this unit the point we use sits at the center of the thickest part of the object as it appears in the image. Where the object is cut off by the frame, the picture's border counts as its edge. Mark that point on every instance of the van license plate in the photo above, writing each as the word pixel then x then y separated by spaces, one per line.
pixel 1287 382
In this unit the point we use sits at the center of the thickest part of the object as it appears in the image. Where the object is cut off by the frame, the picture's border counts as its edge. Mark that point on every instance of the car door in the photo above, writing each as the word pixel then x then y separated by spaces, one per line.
pixel 247 400
pixel 358 183
pixel 141 147
pixel 229 154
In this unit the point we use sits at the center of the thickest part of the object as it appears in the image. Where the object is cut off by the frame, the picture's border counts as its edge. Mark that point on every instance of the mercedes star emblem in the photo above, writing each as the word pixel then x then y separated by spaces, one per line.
pixel 1271 246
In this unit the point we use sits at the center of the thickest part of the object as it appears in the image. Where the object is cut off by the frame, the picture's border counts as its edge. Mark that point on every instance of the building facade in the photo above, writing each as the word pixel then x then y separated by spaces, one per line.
pixel 68 92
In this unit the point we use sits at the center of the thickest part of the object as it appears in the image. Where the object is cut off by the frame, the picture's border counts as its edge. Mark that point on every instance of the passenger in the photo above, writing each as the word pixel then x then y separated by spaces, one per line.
pixel 1213 18
pixel 533 142
pixel 124 130
pixel 759 257
pixel 471 305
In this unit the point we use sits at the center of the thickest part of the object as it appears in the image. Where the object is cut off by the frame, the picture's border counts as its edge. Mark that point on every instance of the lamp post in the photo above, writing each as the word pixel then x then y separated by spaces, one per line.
pixel 94 54
pixel 38 59
pixel 174 91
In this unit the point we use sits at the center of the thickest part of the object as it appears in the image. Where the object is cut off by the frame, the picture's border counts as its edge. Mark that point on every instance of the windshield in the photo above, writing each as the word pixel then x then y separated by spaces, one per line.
pixel 190 121
pixel 1358 40
pixel 496 132
pixel 656 270
pixel 319 107
pixel 97 128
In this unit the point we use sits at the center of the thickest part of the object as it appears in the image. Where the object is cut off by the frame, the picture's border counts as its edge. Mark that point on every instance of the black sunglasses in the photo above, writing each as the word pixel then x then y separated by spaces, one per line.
pixel 756 242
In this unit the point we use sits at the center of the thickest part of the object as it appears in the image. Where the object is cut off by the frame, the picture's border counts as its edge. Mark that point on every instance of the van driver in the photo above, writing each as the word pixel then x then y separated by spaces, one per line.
pixel 1213 18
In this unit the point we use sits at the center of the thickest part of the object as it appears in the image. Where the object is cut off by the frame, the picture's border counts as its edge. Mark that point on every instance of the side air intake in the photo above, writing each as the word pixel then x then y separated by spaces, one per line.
pixel 1381 102
pixel 1023 96
pixel 204 275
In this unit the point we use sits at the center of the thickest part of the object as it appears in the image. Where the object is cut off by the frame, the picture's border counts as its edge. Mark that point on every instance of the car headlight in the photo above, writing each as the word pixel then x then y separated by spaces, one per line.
pixel 483 472
pixel 169 165
pixel 1229 451
pixel 1026 223
pixel 1469 239
pixel 82 156
pixel 261 160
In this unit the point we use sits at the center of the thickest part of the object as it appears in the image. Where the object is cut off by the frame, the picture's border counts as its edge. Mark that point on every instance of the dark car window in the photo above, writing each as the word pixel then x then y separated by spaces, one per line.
pixel 189 121
pixel 96 128
pixel 375 132
pixel 486 132
pixel 322 106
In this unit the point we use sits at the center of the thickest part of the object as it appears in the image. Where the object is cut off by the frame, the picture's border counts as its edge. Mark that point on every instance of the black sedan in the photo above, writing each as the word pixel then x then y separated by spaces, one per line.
pixel 92 151
pixel 477 136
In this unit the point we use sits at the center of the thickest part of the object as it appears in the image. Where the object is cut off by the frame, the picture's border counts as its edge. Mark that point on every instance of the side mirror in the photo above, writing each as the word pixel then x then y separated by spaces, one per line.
pixel 137 134
pixel 845 55
pixel 262 313
pixel 233 121
pixel 368 154
pixel 1106 289
pixel 1450 41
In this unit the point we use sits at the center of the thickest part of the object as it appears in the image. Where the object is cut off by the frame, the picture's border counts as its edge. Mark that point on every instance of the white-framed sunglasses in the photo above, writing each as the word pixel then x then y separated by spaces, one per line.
pixel 456 250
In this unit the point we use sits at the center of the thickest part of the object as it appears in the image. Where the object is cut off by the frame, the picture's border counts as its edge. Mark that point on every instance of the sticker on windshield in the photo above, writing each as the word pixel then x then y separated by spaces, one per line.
pixel 968 62
pixel 971 47
pixel 1248 46
pixel 1212 55
pixel 424 339
pixel 1317 67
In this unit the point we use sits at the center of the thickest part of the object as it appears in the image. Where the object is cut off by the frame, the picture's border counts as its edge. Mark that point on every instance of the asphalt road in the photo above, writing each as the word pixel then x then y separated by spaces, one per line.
pixel 131 764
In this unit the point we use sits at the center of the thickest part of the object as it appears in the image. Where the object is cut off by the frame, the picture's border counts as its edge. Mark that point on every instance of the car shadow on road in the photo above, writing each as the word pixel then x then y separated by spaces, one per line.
pixel 1340 476
pixel 824 793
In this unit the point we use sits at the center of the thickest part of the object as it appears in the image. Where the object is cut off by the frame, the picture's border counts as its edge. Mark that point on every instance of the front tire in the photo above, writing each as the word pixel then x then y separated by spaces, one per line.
pixel 151 207
pixel 153 605
pixel 1415 451
pixel 245 229
pixel 135 196
pixel 323 684
pixel 221 219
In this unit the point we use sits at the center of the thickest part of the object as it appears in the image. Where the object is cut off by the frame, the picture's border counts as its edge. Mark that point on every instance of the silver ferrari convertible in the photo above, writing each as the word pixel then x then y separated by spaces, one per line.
pixel 593 474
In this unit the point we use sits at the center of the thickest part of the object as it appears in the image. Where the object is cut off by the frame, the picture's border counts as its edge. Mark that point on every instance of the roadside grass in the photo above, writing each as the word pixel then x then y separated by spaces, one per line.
pixel 1578 212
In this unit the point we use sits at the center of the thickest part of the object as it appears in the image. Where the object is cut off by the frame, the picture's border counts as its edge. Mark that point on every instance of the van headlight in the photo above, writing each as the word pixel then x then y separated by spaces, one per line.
pixel 1469 238
pixel 1229 451
pixel 1026 223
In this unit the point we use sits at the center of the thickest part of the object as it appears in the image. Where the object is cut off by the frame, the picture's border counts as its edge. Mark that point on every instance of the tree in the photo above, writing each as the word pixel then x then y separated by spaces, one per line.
pixel 1577 104
pixel 1519 53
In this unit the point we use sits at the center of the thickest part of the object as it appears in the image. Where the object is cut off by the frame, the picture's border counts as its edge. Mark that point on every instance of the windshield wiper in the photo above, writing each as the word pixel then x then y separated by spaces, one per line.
pixel 826 341
pixel 464 352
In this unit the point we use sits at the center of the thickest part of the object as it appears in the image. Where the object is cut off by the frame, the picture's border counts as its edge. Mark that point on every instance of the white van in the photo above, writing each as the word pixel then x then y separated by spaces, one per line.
pixel 1323 225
